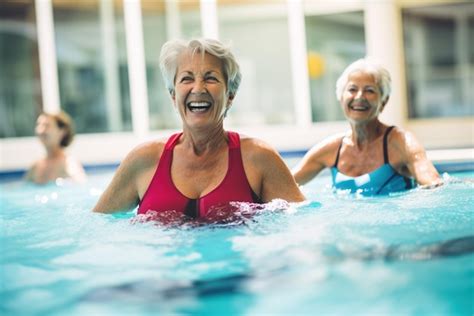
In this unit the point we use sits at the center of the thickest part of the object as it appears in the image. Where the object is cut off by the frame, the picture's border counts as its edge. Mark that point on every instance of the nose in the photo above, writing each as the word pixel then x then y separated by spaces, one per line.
pixel 199 86
pixel 359 94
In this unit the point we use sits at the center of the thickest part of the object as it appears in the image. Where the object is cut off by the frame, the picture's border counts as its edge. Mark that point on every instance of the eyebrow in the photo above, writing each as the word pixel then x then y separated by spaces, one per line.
pixel 366 86
pixel 215 72
pixel 186 72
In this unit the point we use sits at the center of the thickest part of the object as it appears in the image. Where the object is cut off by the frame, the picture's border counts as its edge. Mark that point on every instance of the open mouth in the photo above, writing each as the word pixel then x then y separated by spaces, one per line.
pixel 359 106
pixel 198 107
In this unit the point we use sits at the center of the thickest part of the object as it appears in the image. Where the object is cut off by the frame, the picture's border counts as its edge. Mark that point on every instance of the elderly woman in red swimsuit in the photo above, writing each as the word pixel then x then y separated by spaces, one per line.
pixel 371 158
pixel 204 167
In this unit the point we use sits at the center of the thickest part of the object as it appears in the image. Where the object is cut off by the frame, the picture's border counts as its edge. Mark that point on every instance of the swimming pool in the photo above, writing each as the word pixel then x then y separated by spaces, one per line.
pixel 410 254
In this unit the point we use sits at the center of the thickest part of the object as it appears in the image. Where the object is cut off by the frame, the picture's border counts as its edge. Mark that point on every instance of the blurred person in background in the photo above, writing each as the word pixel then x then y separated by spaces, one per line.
pixel 372 157
pixel 202 170
pixel 55 132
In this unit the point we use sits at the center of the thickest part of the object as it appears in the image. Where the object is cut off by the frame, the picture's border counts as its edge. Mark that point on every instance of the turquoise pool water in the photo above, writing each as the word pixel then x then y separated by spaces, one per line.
pixel 407 254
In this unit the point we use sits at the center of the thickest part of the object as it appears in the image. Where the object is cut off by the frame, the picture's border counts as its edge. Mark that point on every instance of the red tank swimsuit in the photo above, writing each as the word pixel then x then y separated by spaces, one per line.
pixel 162 195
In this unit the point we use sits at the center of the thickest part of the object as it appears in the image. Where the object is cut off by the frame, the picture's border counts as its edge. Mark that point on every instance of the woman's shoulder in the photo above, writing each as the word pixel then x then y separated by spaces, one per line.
pixel 258 153
pixel 256 146
pixel 331 141
pixel 400 137
pixel 74 169
pixel 328 145
pixel 404 142
pixel 32 171
pixel 145 154
pixel 37 163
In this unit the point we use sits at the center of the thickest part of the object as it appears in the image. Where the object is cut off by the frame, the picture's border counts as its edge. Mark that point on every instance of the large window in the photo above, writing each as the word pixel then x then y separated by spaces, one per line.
pixel 333 41
pixel 162 21
pixel 439 60
pixel 20 89
pixel 92 64
pixel 258 34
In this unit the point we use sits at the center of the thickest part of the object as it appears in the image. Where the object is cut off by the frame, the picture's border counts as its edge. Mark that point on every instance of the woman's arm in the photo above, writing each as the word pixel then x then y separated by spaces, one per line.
pixel 122 192
pixel 415 159
pixel 274 177
pixel 308 167
pixel 316 159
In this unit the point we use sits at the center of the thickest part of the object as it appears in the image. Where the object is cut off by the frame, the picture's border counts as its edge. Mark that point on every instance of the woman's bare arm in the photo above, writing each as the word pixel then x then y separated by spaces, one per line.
pixel 122 193
pixel 416 161
pixel 316 159
pixel 276 179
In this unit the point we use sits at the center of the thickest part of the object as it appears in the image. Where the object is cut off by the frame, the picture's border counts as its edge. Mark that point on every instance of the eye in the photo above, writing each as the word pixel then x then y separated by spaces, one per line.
pixel 352 89
pixel 370 90
pixel 211 79
pixel 186 79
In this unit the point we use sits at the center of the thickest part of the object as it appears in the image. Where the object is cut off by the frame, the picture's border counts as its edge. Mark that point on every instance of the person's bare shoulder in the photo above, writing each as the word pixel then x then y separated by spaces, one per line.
pixel 405 152
pixel 267 172
pixel 255 149
pixel 333 140
pixel 259 158
pixel 123 191
pixel 32 170
pixel 145 155
pixel 74 169
pixel 398 136
pixel 408 156
pixel 325 151
pixel 402 144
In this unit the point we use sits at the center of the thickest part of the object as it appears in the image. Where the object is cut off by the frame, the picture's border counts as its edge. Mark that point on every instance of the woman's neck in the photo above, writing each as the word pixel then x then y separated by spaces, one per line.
pixel 204 142
pixel 365 133
pixel 54 152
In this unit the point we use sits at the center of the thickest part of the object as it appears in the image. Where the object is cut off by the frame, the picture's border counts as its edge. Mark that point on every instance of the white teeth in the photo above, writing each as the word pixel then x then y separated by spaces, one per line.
pixel 198 109
pixel 359 108
pixel 199 104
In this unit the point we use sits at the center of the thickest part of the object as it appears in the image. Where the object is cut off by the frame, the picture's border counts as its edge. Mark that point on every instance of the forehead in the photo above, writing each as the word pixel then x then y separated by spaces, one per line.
pixel 360 77
pixel 197 62
pixel 44 119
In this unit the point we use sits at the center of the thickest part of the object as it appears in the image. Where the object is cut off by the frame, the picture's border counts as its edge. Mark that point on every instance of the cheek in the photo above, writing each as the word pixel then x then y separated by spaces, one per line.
pixel 345 100
pixel 56 135
pixel 177 100
pixel 347 96
pixel 375 102
pixel 39 130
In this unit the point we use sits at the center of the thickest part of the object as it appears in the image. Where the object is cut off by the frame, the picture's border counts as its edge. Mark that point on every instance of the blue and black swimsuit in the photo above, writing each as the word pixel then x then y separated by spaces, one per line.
pixel 382 180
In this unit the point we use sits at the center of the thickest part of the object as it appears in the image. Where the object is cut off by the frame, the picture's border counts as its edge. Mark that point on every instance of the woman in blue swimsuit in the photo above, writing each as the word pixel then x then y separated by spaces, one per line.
pixel 371 158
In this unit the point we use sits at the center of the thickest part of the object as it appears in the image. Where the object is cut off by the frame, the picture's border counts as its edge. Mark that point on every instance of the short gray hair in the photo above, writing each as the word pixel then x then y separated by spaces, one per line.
pixel 381 75
pixel 172 50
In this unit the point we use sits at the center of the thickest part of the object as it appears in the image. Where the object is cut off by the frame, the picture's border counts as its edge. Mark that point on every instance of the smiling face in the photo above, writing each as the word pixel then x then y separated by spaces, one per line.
pixel 48 131
pixel 200 90
pixel 361 99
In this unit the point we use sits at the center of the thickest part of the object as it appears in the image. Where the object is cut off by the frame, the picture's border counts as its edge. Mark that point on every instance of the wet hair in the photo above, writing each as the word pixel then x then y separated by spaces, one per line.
pixel 381 76
pixel 172 51
pixel 64 122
